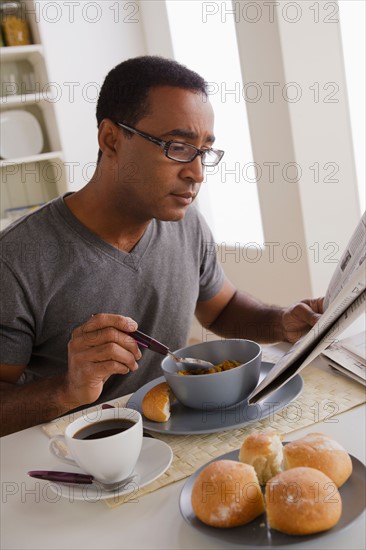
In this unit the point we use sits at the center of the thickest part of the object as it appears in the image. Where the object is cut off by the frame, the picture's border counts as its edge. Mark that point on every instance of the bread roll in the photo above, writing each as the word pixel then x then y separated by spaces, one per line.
pixel 156 403
pixel 319 451
pixel 302 501
pixel 226 493
pixel 264 451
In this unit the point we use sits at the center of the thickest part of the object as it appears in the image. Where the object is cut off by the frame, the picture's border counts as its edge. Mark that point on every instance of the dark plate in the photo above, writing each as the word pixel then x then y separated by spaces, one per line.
pixel 256 534
pixel 185 421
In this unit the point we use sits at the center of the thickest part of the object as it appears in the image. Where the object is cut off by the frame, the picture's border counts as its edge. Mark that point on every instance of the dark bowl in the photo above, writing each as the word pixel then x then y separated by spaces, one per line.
pixel 221 389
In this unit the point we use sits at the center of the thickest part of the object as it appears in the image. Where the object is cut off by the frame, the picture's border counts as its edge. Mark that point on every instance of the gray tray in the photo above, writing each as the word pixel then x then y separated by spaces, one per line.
pixel 186 421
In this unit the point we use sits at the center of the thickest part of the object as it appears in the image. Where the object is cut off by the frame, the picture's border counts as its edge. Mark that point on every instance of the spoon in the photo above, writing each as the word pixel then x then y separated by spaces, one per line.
pixel 79 479
pixel 189 363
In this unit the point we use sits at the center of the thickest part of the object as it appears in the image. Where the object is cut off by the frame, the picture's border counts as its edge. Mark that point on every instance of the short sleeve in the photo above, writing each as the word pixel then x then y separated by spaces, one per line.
pixel 16 322
pixel 211 273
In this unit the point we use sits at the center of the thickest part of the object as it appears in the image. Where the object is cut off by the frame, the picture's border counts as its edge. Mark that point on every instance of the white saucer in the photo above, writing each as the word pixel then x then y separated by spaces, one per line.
pixel 155 458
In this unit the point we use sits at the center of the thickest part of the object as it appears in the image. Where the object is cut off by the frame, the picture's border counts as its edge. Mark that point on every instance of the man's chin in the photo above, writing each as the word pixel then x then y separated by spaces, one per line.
pixel 175 216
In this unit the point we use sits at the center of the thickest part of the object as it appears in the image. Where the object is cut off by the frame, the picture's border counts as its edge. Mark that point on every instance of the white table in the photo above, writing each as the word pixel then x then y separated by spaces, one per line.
pixel 32 520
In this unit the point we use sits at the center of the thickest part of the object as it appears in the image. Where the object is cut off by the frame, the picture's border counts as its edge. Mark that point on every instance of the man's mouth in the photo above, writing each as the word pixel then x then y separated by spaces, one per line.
pixel 184 198
pixel 187 195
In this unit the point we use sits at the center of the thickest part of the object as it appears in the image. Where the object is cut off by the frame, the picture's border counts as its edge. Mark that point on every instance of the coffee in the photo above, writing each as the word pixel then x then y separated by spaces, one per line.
pixel 104 428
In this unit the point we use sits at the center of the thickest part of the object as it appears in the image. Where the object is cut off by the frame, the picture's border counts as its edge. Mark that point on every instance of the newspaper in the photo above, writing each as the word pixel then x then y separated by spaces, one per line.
pixel 348 356
pixel 345 300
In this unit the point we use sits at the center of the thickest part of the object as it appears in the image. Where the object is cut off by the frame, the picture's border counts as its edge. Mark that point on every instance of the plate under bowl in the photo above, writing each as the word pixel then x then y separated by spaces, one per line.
pixel 187 421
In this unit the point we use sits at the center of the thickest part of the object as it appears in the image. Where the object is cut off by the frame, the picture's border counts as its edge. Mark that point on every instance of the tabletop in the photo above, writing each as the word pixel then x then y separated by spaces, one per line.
pixel 33 517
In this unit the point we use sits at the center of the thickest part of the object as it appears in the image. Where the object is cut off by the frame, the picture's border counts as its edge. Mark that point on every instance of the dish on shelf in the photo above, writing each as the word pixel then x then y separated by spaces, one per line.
pixel 21 134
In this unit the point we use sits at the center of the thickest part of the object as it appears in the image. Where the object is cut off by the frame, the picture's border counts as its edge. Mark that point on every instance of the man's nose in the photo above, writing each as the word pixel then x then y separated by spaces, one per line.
pixel 194 170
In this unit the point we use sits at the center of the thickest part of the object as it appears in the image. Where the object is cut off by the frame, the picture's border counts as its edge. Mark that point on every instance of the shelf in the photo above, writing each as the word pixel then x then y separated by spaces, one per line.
pixel 19 100
pixel 32 179
pixel 34 158
pixel 14 53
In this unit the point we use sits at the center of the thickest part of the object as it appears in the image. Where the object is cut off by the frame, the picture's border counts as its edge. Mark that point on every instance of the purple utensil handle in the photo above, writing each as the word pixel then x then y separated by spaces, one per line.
pixel 148 342
pixel 62 477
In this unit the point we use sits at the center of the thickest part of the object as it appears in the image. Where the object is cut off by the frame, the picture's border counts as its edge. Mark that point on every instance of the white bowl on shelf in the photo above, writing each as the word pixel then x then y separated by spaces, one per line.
pixel 21 134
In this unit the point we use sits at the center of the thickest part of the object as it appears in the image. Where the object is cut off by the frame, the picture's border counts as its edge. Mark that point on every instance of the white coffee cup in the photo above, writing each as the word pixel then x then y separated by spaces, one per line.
pixel 108 459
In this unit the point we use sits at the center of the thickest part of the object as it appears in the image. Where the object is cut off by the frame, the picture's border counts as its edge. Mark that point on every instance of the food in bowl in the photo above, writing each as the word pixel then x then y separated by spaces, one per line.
pixel 225 365
pixel 220 389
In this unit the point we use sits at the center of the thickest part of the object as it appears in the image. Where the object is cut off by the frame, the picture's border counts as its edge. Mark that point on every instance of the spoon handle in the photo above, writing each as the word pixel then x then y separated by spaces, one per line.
pixel 63 477
pixel 149 343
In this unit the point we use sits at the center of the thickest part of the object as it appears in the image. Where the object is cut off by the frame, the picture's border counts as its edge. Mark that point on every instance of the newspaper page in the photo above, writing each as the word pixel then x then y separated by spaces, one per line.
pixel 349 356
pixel 352 258
pixel 341 323
pixel 346 299
pixel 356 344
pixel 354 369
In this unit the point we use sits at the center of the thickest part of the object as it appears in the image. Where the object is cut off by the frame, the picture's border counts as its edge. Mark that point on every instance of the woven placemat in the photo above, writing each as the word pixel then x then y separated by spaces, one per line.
pixel 325 395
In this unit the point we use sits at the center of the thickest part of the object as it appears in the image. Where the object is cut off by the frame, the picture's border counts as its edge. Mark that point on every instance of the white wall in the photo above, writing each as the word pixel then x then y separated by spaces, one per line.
pixel 321 130
pixel 82 41
pixel 295 51
pixel 295 48
pixel 352 18
pixel 308 213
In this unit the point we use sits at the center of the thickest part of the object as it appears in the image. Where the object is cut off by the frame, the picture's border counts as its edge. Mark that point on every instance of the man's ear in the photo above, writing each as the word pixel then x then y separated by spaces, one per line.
pixel 108 137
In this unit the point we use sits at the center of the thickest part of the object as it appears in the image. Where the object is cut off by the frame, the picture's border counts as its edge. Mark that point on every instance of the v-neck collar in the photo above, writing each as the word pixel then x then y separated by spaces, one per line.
pixel 131 259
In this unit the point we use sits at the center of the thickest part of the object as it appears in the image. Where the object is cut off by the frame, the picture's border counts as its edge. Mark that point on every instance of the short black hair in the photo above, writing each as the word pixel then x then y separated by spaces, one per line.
pixel 124 94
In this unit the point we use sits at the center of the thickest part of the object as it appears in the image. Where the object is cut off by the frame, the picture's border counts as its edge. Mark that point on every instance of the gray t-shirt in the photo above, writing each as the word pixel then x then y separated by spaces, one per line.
pixel 55 274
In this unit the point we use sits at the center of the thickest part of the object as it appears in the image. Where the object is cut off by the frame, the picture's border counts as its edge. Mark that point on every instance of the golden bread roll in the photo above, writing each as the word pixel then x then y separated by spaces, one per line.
pixel 317 450
pixel 264 451
pixel 156 403
pixel 302 501
pixel 226 493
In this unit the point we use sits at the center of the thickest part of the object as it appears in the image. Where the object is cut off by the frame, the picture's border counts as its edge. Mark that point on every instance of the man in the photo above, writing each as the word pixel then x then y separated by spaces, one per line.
pixel 128 250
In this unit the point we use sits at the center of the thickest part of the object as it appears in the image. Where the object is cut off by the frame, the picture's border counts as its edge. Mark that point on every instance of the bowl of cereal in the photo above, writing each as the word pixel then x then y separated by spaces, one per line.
pixel 235 374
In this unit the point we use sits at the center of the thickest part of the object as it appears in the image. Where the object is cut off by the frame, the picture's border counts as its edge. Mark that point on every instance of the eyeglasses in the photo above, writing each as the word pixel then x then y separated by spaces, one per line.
pixel 180 151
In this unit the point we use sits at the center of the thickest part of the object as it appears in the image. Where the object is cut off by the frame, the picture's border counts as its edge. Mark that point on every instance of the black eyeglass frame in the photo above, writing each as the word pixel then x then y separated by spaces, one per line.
pixel 166 144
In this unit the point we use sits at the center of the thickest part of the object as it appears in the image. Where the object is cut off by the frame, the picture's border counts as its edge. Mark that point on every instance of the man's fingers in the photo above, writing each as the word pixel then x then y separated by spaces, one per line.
pixel 304 314
pixel 109 367
pixel 299 318
pixel 109 351
pixel 309 316
pixel 319 305
pixel 101 321
pixel 316 304
pixel 103 336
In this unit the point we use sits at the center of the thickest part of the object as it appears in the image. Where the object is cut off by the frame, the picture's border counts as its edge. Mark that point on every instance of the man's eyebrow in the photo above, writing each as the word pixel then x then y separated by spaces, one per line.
pixel 179 132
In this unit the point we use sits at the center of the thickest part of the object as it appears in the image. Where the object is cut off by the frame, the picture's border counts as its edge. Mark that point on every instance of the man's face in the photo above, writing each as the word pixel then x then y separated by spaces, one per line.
pixel 149 184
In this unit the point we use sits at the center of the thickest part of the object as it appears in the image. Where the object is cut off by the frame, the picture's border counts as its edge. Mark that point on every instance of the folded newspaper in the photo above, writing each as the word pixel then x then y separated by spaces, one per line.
pixel 348 356
pixel 345 301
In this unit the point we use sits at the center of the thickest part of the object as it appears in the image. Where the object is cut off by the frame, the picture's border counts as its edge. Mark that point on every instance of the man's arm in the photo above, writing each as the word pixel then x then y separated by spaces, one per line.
pixel 26 405
pixel 99 348
pixel 236 314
